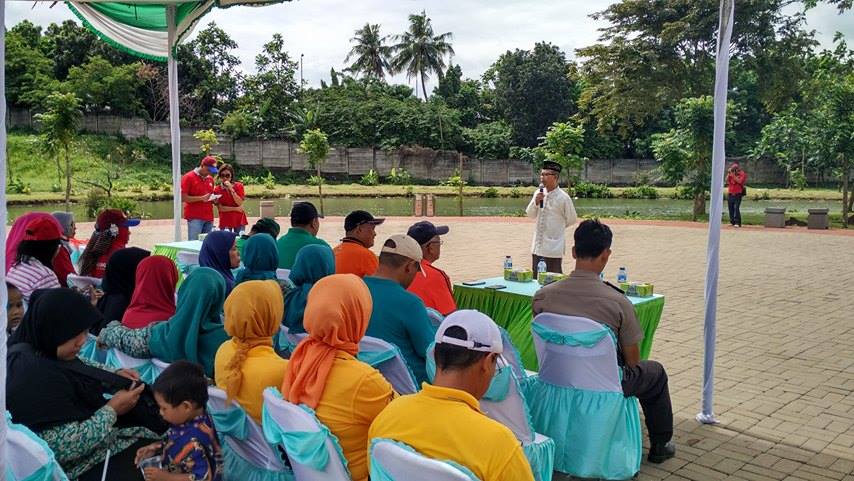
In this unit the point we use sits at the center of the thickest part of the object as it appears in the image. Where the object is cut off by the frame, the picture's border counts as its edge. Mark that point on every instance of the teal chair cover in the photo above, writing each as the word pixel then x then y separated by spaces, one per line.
pixel 577 399
pixel 28 457
pixel 247 456
pixel 307 442
pixel 395 461
pixel 505 402
pixel 91 352
pixel 147 370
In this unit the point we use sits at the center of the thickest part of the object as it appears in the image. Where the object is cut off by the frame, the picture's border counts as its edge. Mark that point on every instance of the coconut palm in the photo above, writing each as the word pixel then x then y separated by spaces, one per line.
pixel 370 52
pixel 419 52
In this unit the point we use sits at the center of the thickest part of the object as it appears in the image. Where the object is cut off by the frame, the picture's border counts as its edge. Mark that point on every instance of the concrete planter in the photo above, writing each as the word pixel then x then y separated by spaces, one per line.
pixel 775 217
pixel 818 219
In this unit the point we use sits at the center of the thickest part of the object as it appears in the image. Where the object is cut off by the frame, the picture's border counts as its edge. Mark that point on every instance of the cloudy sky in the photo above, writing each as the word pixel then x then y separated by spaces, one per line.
pixel 483 29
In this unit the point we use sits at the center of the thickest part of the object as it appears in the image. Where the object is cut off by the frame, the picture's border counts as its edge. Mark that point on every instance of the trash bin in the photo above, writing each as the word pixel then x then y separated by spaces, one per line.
pixel 775 217
pixel 818 219
pixel 268 209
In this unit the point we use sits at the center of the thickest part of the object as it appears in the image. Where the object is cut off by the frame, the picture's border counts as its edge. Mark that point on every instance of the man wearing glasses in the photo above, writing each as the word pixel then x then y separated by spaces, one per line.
pixel 434 287
pixel 554 212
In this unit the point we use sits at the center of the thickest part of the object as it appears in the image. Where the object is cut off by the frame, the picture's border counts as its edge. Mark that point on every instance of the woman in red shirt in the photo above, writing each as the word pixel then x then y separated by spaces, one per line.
pixel 232 217
pixel 735 180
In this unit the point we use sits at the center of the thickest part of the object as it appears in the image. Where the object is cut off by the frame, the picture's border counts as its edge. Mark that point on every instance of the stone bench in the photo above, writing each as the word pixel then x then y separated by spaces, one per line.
pixel 775 217
pixel 818 219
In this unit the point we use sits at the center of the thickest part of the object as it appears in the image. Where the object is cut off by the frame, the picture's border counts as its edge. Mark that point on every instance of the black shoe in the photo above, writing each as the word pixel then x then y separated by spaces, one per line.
pixel 659 453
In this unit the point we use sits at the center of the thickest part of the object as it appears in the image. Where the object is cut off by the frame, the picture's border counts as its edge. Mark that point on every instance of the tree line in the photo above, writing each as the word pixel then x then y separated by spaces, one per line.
pixel 641 91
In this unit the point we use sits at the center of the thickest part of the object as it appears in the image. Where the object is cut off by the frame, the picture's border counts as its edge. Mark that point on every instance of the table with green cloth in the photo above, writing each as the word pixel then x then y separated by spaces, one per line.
pixel 511 309
pixel 171 249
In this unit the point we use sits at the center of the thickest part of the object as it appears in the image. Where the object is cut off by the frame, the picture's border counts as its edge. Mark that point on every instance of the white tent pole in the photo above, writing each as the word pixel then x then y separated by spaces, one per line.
pixel 3 215
pixel 174 121
pixel 727 13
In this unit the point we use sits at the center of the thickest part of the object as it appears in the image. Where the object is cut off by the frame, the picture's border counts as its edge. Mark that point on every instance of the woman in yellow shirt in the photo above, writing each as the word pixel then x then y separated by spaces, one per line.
pixel 325 375
pixel 247 364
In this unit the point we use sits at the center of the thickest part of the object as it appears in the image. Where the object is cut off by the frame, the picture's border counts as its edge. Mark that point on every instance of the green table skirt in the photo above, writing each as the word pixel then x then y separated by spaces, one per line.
pixel 513 312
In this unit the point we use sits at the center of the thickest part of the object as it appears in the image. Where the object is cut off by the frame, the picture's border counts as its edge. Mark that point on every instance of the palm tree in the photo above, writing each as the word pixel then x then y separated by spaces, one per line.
pixel 370 52
pixel 419 52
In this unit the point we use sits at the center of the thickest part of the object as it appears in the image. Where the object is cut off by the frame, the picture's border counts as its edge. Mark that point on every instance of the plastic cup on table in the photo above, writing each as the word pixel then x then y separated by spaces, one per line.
pixel 152 462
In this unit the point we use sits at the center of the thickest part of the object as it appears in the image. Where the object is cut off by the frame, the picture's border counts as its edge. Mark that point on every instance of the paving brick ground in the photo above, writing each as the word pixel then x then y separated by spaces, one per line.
pixel 785 349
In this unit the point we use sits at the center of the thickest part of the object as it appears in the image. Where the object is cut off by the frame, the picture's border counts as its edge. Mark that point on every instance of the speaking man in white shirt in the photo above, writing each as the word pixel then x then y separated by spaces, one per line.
pixel 554 212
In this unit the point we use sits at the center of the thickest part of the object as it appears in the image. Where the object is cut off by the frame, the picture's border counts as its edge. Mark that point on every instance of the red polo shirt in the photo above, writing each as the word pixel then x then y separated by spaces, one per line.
pixel 194 184
pixel 434 288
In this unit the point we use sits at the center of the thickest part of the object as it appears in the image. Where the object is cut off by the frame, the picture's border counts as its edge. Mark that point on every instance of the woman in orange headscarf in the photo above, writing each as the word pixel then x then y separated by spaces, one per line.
pixel 324 374
pixel 247 364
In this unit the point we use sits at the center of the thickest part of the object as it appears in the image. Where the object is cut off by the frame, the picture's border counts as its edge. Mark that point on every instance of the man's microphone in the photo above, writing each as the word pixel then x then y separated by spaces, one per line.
pixel 542 201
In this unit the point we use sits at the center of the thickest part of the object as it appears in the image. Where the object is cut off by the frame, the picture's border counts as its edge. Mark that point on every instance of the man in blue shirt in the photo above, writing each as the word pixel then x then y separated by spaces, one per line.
pixel 398 316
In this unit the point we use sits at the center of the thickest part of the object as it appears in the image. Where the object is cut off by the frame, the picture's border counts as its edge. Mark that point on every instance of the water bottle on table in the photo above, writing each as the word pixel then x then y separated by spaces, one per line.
pixel 508 264
pixel 622 275
pixel 541 266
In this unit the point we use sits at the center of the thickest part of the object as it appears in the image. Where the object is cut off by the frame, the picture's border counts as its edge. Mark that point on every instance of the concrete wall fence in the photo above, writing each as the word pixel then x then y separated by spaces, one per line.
pixel 421 163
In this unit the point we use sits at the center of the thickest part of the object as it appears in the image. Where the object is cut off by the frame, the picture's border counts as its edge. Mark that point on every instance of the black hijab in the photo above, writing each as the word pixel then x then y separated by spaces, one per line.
pixel 119 283
pixel 40 393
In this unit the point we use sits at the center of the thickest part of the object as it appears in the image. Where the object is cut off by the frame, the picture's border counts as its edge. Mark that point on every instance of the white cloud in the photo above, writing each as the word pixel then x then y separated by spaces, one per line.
pixel 483 29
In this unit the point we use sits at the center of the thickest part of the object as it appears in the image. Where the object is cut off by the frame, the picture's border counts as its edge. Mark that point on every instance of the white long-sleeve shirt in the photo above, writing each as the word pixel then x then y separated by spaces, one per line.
pixel 556 215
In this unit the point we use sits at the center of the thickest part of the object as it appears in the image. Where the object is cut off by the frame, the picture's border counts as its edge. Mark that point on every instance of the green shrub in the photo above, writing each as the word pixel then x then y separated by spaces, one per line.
pixel 761 195
pixel 490 193
pixel 137 189
pixel 455 180
pixel 683 192
pixel 18 186
pixel 515 193
pixel 97 200
pixel 269 181
pixel 589 190
pixel 371 178
pixel 315 180
pixel 55 187
pixel 409 192
pixel 399 177
pixel 640 192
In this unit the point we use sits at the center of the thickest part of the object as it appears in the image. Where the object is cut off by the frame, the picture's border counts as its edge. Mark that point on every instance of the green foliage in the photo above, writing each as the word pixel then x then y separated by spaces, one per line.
pixel 97 200
pixel 103 87
pixel 515 193
pixel 269 181
pixel 532 90
pixel 315 145
pixel 562 144
pixel 371 178
pixel 588 190
pixel 399 176
pixel 490 193
pixel 370 53
pixel 29 72
pixel 683 193
pixel 640 192
pixel 270 93
pixel 18 186
pixel 489 140
pixel 237 124
pixel 249 180
pixel 315 180
pixel 531 155
pixel 455 180
pixel 60 124
pixel 207 138
pixel 797 179
pixel 419 52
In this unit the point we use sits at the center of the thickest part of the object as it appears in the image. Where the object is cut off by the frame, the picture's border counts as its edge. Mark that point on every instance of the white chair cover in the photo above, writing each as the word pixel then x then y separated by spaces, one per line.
pixel 387 359
pixel 314 452
pixel 590 368
pixel 283 274
pixel 245 440
pixel 394 461
pixel 435 317
pixel 147 369
pixel 28 458
pixel 83 282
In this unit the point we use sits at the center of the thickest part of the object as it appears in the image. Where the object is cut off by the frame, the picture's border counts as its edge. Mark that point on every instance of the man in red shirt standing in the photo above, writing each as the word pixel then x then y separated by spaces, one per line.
pixel 197 186
pixel 434 287
pixel 735 180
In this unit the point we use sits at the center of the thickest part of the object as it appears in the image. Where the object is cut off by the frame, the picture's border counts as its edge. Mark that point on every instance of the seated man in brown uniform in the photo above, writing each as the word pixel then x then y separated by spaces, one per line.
pixel 583 294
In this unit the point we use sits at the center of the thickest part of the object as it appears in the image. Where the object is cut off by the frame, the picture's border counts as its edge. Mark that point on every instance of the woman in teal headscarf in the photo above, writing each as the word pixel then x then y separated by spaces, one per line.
pixel 194 333
pixel 313 262
pixel 260 258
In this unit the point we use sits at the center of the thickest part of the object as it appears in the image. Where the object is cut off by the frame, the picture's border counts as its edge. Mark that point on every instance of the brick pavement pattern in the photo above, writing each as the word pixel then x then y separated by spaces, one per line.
pixel 785 346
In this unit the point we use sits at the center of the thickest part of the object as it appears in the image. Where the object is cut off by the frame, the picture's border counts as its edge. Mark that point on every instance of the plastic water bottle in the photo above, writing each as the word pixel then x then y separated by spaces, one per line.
pixel 541 266
pixel 622 275
pixel 602 276
pixel 508 263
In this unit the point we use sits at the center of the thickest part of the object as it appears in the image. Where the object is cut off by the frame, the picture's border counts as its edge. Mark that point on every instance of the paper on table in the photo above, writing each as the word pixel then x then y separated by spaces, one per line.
pixel 214 197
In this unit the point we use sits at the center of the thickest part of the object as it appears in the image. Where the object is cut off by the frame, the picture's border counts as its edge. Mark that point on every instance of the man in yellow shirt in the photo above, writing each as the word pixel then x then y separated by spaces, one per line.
pixel 444 420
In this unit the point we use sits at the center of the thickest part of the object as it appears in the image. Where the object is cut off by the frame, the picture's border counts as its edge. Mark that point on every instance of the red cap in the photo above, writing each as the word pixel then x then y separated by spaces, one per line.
pixel 114 217
pixel 210 162
pixel 42 229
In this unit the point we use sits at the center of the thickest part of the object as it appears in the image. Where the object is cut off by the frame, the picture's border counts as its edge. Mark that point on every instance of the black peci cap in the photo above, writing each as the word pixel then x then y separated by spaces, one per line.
pixel 550 165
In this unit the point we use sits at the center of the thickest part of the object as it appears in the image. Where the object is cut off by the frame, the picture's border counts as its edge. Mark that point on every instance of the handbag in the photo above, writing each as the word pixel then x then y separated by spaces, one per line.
pixel 743 190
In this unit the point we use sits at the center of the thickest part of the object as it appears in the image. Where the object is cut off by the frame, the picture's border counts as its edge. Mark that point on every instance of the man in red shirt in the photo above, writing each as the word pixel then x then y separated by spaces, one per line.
pixel 197 186
pixel 434 287
pixel 735 180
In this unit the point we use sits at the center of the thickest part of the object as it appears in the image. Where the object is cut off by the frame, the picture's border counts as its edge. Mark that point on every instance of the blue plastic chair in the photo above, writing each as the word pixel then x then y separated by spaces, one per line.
pixel 578 401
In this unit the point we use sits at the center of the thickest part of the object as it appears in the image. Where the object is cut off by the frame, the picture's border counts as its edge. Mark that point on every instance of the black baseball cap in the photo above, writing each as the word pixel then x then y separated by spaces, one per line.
pixel 358 217
pixel 425 230
pixel 302 213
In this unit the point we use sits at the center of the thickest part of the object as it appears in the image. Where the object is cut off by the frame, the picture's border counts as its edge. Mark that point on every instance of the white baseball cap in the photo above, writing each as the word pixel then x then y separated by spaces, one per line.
pixel 406 246
pixel 482 334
